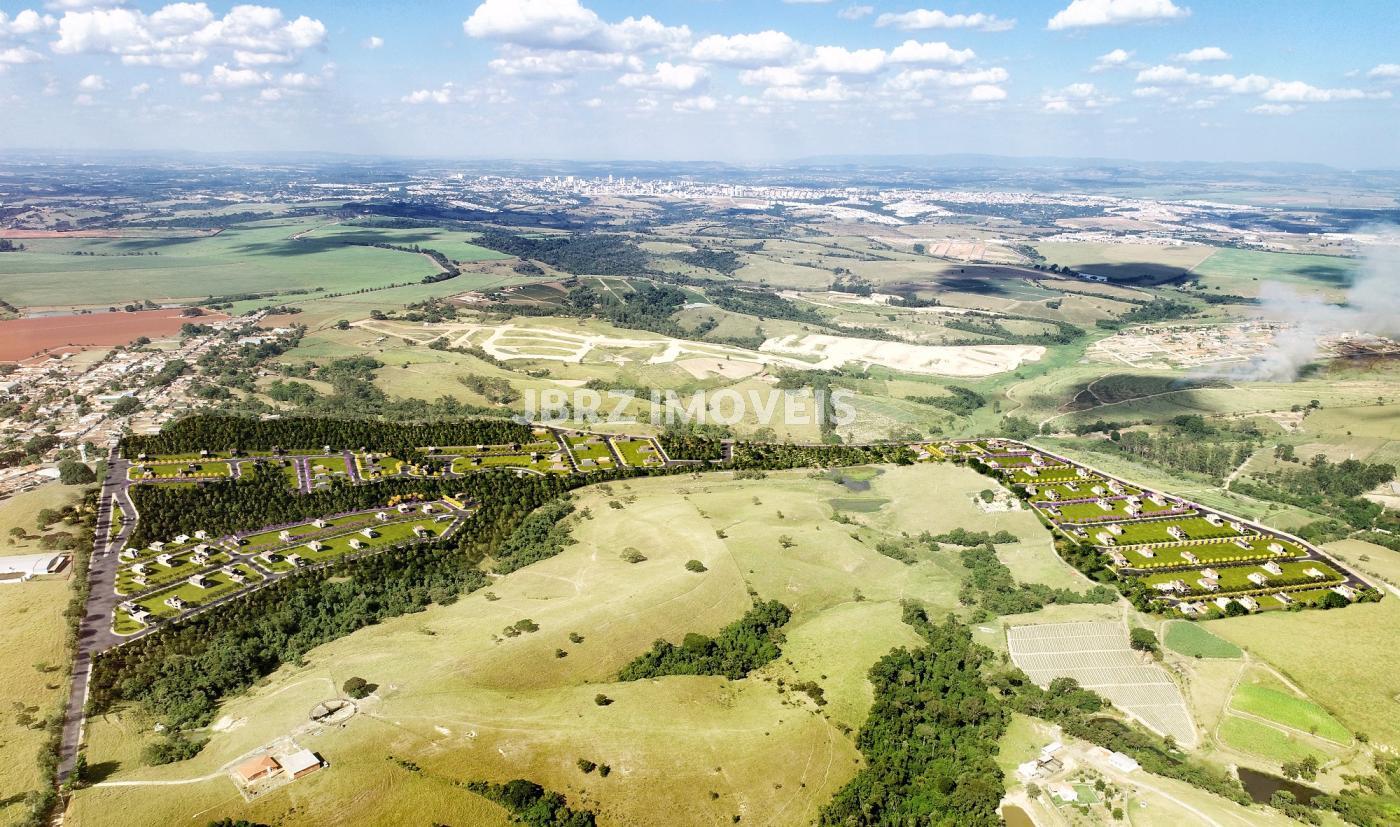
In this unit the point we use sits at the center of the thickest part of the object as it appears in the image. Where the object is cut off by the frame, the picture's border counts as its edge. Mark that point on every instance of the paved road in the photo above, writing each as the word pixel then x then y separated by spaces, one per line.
pixel 95 628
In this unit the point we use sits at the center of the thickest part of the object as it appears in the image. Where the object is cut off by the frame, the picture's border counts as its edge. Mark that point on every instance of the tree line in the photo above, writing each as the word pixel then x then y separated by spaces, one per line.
pixel 744 645
pixel 220 433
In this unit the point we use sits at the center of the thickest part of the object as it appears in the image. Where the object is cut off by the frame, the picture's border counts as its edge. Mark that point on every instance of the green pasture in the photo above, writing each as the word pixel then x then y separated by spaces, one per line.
pixel 1265 741
pixel 1193 641
pixel 247 259
pixel 455 245
pixel 1264 696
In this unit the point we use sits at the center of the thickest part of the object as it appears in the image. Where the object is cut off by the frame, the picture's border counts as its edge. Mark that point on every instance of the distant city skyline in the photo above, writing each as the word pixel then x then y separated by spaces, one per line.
pixel 1151 80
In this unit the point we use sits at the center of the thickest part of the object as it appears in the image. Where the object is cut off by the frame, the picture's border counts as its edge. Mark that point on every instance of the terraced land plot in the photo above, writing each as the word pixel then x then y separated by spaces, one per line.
pixel 1193 528
pixel 1098 656
pixel 550 462
pixel 1213 553
pixel 590 452
pixel 638 453
pixel 1116 509
pixel 1071 491
pixel 198 470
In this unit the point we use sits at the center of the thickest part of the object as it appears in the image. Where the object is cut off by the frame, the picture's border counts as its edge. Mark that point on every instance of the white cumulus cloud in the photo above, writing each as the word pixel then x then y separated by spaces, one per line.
pixel 667 77
pixel 936 19
pixel 912 51
pixel 567 24
pixel 1081 13
pixel 764 48
pixel 185 34
pixel 1204 54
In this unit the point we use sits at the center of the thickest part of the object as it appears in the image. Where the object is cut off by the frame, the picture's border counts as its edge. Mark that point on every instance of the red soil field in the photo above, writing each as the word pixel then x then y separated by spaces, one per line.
pixel 22 338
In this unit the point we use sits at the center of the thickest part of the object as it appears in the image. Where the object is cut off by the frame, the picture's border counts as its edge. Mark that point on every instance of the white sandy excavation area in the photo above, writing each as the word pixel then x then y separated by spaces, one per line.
pixel 509 341
pixel 969 360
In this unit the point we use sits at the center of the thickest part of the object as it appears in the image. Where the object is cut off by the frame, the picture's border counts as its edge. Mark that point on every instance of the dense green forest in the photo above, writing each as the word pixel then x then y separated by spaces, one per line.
pixel 220 433
pixel 772 456
pixel 541 535
pixel 739 648
pixel 764 304
pixel 930 741
pixel 580 254
pixel 961 401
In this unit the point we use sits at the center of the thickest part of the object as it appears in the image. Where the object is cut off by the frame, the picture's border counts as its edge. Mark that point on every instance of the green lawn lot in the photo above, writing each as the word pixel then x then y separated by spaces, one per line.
pixel 1193 641
pixel 1016 461
pixel 256 543
pixel 1290 710
pixel 544 465
pixel 1080 491
pixel 158 575
pixel 221 586
pixel 1213 553
pixel 1063 473
pixel 386 534
pixel 1155 531
pixel 639 453
pixel 543 446
pixel 1117 508
pixel 963 449
pixel 328 465
pixel 1236 578
pixel 592 448
pixel 174 470
pixel 145 554
pixel 377 468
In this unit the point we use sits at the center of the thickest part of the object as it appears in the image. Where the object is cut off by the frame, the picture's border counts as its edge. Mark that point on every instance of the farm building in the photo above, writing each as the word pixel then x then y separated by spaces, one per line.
pixel 257 768
pixel 300 763
pixel 21 568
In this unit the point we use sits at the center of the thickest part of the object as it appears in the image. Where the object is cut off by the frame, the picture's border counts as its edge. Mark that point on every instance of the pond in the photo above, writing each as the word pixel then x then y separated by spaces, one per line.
pixel 1015 817
pixel 1261 786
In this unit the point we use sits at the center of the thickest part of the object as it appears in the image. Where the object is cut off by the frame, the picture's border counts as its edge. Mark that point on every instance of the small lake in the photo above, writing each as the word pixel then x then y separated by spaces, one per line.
pixel 1015 817
pixel 1261 786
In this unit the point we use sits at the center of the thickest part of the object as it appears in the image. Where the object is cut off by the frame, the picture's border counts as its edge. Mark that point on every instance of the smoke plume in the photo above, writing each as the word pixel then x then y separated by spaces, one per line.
pixel 1372 306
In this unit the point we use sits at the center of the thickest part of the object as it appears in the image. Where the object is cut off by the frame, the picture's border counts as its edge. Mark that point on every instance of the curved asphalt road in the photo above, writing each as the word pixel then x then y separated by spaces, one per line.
pixel 95 628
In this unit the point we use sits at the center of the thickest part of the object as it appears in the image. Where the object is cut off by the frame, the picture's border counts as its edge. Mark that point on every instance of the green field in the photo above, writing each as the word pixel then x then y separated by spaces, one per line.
pixel 1268 699
pixel 1243 271
pixel 245 259
pixel 1265 741
pixel 1332 656
pixel 455 245
pixel 35 660
pixel 22 511
pixel 1193 641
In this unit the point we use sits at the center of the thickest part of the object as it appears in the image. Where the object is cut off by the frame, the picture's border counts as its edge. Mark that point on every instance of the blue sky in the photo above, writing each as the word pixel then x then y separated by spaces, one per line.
pixel 715 80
